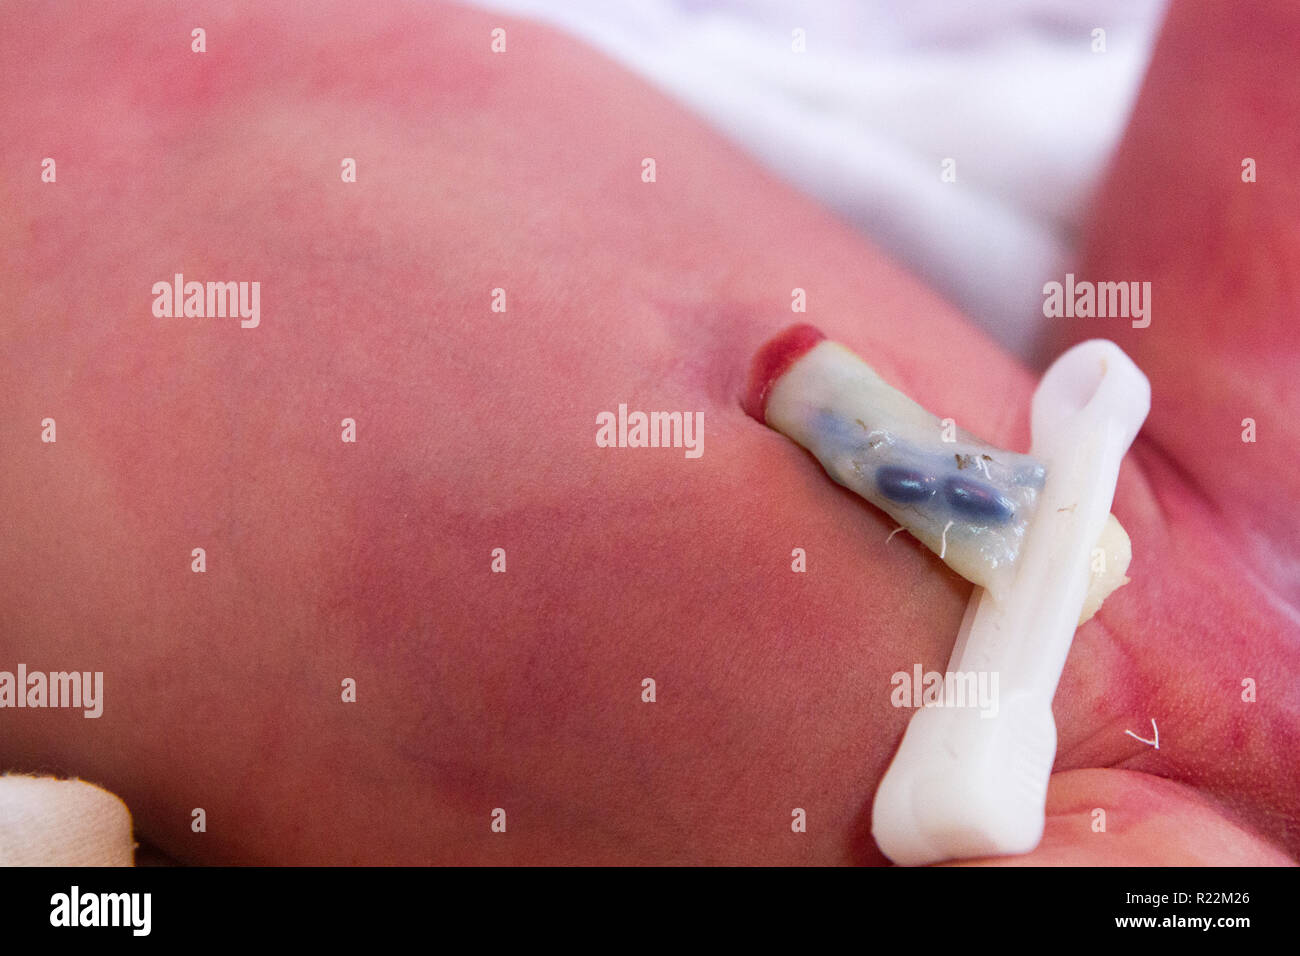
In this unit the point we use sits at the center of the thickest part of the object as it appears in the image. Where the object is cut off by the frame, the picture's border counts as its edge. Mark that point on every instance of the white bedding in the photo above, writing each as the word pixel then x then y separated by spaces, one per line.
pixel 887 90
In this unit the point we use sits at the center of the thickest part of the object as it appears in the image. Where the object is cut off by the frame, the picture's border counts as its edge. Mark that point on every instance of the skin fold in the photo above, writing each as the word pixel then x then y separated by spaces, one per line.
pixel 476 429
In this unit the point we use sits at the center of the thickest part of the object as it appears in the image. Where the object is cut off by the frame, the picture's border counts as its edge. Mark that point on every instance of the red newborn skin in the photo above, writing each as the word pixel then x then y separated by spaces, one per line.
pixel 772 361
pixel 476 430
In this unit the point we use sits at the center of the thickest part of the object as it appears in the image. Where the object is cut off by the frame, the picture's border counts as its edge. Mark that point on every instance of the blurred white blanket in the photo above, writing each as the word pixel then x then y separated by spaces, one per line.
pixel 884 93
pixel 49 822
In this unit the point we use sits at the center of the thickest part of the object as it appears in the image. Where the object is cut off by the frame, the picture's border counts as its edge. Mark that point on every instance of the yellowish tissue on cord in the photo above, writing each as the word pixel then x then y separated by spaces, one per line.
pixel 1107 570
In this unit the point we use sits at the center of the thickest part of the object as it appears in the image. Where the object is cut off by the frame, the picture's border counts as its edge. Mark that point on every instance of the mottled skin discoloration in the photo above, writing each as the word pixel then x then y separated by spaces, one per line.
pixel 476 431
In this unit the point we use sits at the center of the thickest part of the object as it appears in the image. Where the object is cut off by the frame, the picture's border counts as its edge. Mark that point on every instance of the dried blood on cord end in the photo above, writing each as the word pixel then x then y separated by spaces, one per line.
pixel 772 361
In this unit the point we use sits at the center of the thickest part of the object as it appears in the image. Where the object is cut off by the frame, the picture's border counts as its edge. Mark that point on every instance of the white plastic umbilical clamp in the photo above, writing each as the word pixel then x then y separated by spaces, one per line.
pixel 967 783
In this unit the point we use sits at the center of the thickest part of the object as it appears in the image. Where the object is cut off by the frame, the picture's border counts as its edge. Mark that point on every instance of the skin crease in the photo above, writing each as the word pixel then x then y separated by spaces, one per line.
pixel 476 430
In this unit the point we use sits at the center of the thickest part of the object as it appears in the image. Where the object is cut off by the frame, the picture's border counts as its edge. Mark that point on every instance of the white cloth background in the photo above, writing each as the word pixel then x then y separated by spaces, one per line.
pixel 49 822
pixel 887 90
